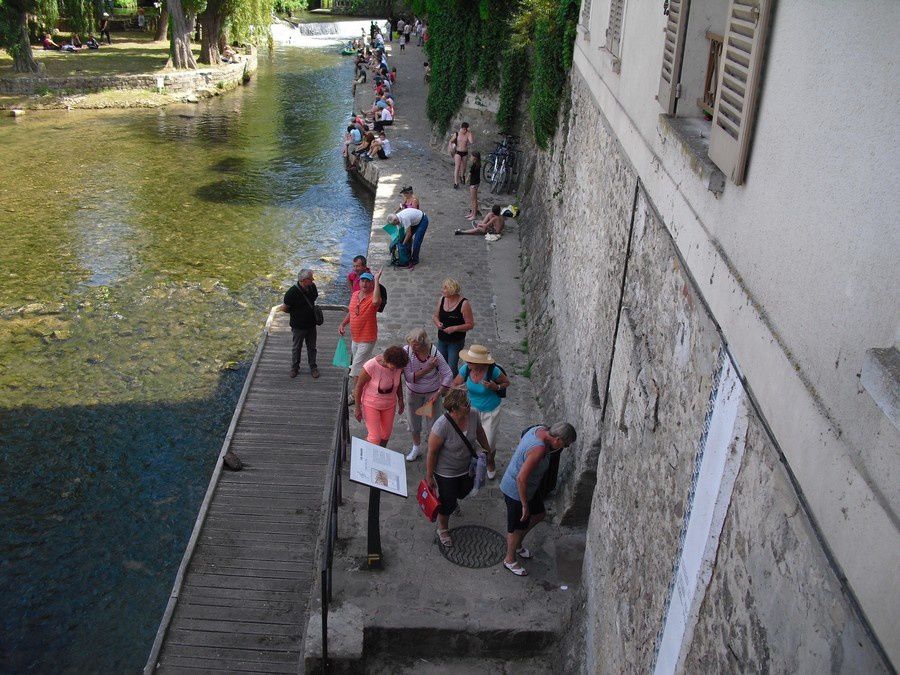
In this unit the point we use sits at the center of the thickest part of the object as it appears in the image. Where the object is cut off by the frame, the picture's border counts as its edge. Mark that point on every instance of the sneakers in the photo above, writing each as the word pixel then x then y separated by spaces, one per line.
pixel 413 454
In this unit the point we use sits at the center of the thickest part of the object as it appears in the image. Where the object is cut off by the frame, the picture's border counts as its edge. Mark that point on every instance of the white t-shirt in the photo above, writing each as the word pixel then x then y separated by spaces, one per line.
pixel 410 217
pixel 386 115
pixel 386 147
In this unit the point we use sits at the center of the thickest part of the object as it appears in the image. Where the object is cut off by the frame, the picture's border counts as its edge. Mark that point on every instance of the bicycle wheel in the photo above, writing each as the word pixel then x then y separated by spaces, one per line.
pixel 499 178
pixel 489 168
pixel 515 170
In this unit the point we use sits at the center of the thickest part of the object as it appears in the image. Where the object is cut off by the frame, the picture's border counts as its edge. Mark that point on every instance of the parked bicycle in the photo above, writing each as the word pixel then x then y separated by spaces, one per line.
pixel 501 168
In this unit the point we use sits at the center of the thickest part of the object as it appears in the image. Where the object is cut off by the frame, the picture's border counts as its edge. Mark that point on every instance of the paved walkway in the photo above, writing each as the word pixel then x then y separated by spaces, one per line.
pixel 422 605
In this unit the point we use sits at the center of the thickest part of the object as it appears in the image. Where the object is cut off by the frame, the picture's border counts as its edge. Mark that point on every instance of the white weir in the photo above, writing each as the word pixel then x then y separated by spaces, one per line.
pixel 318 33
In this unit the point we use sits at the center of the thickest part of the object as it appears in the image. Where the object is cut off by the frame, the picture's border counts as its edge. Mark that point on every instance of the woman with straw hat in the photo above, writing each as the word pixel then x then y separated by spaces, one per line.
pixel 483 379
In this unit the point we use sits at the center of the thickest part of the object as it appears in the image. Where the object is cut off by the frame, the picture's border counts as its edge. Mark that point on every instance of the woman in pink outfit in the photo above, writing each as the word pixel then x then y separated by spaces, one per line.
pixel 379 393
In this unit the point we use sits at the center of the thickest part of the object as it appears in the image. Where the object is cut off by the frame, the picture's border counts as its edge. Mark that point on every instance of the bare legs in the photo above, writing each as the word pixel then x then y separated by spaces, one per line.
pixel 473 207
pixel 514 539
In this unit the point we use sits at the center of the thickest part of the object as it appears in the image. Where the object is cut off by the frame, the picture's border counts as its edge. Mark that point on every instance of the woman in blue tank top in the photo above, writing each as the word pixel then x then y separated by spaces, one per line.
pixel 520 483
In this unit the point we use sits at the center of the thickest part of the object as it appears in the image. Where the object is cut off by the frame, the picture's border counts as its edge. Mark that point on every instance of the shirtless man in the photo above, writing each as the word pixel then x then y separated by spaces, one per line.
pixel 464 140
pixel 493 223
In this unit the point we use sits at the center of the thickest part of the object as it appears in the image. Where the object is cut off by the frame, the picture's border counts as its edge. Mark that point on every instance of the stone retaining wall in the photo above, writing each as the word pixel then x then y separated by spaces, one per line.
pixel 618 324
pixel 175 81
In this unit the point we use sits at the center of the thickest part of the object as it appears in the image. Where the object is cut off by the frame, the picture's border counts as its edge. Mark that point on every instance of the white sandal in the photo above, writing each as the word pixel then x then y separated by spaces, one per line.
pixel 516 569
pixel 444 538
pixel 524 553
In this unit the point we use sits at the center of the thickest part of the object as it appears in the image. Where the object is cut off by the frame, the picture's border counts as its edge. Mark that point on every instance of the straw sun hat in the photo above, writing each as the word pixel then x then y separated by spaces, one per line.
pixel 478 354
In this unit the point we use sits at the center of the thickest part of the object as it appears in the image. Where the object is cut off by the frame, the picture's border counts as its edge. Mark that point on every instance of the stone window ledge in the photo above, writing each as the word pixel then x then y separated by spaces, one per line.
pixel 881 379
pixel 692 134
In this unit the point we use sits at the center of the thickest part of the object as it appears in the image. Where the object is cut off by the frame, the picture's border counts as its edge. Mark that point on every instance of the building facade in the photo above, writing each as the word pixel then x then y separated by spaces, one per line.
pixel 710 252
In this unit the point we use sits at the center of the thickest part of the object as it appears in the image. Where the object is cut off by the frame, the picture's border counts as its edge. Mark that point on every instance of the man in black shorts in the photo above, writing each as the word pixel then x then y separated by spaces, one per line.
pixel 521 482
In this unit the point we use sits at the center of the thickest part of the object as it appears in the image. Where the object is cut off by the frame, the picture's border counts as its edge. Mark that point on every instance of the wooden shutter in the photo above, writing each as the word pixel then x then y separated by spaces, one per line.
pixel 614 29
pixel 673 51
pixel 739 75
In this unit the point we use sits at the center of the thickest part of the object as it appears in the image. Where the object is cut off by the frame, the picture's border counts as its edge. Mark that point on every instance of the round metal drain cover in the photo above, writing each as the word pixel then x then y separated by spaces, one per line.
pixel 475 546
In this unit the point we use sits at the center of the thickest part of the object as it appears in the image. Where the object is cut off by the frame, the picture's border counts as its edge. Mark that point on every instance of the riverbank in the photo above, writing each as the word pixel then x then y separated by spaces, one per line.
pixel 129 73
pixel 422 605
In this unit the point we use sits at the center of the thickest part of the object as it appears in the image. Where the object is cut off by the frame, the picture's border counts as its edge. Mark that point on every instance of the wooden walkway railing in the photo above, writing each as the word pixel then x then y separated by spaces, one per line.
pixel 239 602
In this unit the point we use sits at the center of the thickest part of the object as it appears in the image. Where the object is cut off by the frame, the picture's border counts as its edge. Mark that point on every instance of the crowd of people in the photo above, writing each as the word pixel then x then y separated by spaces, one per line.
pixel 451 393
pixel 366 139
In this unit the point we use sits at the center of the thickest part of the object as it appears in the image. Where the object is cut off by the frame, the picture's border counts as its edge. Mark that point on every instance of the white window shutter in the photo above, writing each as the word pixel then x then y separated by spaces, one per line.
pixel 739 78
pixel 673 51
pixel 586 13
pixel 614 29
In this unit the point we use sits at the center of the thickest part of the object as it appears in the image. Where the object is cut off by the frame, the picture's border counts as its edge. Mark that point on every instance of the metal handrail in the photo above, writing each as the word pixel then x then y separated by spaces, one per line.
pixel 338 457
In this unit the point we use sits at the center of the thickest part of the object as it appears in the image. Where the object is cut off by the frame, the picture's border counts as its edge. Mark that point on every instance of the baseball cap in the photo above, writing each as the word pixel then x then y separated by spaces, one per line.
pixel 367 275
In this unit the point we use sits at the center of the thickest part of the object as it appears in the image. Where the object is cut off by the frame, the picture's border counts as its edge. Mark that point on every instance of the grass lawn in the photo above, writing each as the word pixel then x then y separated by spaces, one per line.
pixel 130 52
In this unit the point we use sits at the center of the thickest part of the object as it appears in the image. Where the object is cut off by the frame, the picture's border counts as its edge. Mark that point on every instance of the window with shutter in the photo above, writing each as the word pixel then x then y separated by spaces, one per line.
pixel 739 76
pixel 673 51
pixel 586 14
pixel 614 28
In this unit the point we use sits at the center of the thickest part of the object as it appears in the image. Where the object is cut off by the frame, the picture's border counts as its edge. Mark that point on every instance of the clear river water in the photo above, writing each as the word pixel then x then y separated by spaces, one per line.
pixel 140 251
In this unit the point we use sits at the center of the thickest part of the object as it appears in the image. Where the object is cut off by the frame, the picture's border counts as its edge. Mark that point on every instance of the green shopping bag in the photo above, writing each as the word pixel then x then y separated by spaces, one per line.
pixel 341 355
pixel 391 230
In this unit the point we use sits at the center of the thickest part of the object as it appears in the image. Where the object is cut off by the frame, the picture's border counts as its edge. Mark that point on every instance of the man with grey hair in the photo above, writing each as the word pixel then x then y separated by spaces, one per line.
pixel 299 302
pixel 521 483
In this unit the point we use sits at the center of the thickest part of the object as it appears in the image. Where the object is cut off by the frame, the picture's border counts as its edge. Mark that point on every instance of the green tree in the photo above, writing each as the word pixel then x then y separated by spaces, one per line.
pixel 14 35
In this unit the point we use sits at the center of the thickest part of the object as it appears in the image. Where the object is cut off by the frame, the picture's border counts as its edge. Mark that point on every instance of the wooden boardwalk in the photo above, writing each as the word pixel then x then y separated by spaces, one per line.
pixel 240 598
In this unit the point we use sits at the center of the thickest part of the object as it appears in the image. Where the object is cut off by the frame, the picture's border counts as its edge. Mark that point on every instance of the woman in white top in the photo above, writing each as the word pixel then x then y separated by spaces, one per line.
pixel 428 378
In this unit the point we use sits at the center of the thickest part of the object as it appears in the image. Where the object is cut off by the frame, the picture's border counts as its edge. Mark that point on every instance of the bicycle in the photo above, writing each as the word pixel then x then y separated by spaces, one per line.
pixel 501 167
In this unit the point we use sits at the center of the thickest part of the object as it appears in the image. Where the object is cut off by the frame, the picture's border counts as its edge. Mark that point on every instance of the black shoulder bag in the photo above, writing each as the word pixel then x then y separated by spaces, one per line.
pixel 317 311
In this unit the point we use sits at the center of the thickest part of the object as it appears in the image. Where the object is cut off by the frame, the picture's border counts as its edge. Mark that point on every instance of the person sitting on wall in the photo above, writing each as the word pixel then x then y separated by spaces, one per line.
pixel 381 148
pixel 49 44
pixel 230 56
pixel 493 223
pixel 383 118
pixel 351 140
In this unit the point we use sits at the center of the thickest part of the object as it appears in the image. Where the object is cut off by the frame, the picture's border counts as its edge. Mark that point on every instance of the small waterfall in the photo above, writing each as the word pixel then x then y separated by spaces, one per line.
pixel 317 33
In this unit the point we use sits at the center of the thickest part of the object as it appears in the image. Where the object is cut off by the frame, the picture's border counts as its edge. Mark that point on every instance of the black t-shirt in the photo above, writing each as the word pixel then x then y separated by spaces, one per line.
pixel 301 311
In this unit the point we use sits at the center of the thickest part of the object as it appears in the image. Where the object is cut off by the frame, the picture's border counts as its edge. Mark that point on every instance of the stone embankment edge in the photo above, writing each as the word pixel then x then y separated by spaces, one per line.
pixel 161 88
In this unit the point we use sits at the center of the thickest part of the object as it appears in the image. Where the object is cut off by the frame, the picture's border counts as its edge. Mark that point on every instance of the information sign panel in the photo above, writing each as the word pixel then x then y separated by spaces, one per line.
pixel 377 467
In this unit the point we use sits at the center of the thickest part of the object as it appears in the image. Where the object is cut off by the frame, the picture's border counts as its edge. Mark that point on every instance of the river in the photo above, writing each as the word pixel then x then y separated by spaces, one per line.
pixel 140 251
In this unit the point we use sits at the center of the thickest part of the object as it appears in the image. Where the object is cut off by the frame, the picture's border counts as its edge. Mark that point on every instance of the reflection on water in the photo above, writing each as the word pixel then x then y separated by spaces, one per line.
pixel 139 254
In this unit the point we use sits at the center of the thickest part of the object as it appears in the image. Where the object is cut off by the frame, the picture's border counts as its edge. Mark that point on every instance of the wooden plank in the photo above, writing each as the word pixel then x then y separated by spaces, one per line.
pixel 184 663
pixel 241 597
pixel 233 653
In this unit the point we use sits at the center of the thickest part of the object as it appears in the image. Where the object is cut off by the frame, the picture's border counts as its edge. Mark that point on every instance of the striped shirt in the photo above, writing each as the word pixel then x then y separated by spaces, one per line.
pixel 429 383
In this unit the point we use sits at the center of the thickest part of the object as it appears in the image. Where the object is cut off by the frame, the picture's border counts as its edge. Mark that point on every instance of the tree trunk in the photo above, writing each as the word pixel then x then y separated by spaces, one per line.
pixel 23 59
pixel 162 28
pixel 211 23
pixel 182 58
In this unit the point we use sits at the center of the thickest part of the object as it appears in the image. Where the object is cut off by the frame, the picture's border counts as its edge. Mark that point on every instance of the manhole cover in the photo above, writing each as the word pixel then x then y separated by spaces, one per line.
pixel 475 546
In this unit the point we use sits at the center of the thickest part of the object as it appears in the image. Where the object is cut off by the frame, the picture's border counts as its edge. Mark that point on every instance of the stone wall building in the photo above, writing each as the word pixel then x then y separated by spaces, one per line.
pixel 710 264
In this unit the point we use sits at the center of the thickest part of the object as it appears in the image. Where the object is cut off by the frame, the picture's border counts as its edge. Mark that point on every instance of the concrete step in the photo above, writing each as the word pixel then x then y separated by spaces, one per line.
pixel 385 663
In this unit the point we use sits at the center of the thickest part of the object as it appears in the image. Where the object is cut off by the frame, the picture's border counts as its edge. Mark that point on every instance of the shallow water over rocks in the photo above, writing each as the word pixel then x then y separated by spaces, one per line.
pixel 140 251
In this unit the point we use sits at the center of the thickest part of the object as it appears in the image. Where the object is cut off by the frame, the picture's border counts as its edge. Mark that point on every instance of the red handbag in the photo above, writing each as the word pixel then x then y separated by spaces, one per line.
pixel 428 501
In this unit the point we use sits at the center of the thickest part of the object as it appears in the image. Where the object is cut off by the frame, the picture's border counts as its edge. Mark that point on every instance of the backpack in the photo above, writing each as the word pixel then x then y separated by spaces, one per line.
pixel 399 251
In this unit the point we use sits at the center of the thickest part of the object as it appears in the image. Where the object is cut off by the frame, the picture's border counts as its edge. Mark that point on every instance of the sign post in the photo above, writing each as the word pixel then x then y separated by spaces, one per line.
pixel 382 470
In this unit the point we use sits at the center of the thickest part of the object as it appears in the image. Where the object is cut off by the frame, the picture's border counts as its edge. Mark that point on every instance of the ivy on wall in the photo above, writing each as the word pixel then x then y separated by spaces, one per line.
pixel 500 43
